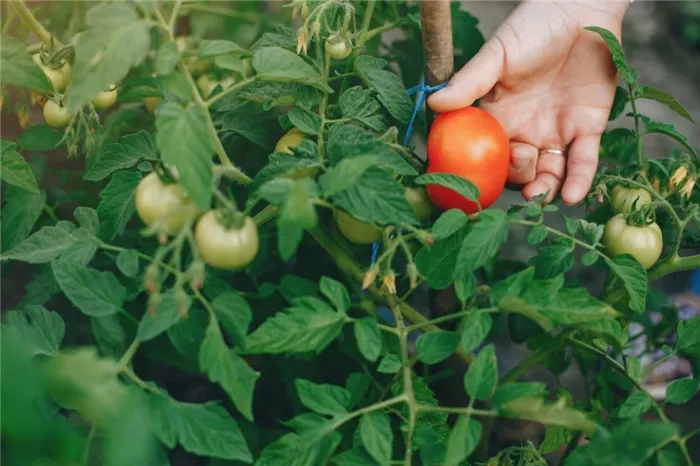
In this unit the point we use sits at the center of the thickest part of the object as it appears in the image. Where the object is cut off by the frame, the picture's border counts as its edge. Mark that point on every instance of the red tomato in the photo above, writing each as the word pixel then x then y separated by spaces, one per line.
pixel 470 143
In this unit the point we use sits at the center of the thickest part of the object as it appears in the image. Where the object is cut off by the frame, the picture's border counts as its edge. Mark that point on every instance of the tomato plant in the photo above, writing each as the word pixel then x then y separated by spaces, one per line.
pixel 471 144
pixel 260 270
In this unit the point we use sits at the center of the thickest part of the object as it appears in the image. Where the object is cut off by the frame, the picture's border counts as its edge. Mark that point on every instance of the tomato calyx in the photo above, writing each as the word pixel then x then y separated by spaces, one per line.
pixel 166 175
pixel 230 218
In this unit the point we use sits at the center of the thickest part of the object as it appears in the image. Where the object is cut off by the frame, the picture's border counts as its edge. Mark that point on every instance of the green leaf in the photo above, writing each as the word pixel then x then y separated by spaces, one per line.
pixel 20 214
pixel 87 218
pixel 554 438
pixel 610 330
pixel 515 285
pixel 387 85
pixel 689 337
pixel 354 457
pixel 306 121
pixel 465 289
pixel 116 40
pixel 116 205
pixel 109 335
pixel 357 384
pixel 622 98
pixel 228 369
pixel 390 364
pixel 635 405
pixel 458 184
pixel 167 58
pixel 309 325
pixel 590 258
pixel 42 331
pixel 437 262
pixel 463 440
pixel 211 48
pixel 475 329
pixel 482 376
pixel 323 398
pixel 634 280
pixel 377 197
pixel 368 337
pixel 433 347
pixel 448 223
pixel 128 262
pixel 126 153
pixel 568 306
pixel 376 435
pixel 202 429
pixel 95 293
pixel 537 234
pixel 670 131
pixel 18 69
pixel 15 170
pixel 336 293
pixel 185 143
pixel 665 98
pixel 681 391
pixel 235 315
pixel 482 243
pixel 188 334
pixel 629 75
pixel 314 446
pixel 512 391
pixel 552 261
pixel 277 64
pixel 361 105
pixel 43 246
pixel 535 409
pixel 165 316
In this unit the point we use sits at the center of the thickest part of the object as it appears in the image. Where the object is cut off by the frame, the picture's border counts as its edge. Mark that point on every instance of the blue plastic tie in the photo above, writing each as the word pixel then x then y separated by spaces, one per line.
pixel 421 91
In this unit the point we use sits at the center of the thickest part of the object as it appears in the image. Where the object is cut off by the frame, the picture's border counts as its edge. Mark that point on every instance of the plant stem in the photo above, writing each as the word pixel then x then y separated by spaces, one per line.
pixel 407 383
pixel 366 22
pixel 9 21
pixel 88 444
pixel 26 15
pixel 173 15
pixel 557 233
pixel 466 411
pixel 534 360
pixel 128 355
pixel 446 318
pixel 637 134
pixel 656 364
pixel 228 91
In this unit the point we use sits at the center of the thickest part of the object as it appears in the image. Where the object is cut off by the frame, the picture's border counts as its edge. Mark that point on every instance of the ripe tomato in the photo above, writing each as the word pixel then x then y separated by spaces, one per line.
pixel 56 115
pixel 356 231
pixel 338 47
pixel 470 143
pixel 623 199
pixel 166 203
pixel 291 139
pixel 419 202
pixel 59 77
pixel 226 248
pixel 105 99
pixel 644 243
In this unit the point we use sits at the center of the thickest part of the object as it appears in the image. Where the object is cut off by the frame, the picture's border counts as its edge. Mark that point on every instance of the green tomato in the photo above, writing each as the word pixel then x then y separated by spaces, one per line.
pixel 420 202
pixel 151 103
pixel 160 202
pixel 356 231
pixel 226 248
pixel 59 77
pixel 291 139
pixel 623 198
pixel 338 48
pixel 56 115
pixel 644 243
pixel 105 99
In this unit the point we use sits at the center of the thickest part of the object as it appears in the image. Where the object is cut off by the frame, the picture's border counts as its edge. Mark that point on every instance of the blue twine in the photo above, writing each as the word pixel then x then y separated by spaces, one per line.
pixel 421 91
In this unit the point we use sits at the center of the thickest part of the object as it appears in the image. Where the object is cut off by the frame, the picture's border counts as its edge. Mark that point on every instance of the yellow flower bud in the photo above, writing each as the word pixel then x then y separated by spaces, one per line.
pixel 389 283
pixel 687 189
pixel 370 277
pixel 678 176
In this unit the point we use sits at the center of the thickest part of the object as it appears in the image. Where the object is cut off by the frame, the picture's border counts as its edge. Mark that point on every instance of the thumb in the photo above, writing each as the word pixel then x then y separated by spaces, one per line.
pixel 473 81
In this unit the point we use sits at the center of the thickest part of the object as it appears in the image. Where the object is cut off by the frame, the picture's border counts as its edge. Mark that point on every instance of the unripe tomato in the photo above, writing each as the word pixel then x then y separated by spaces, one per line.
pixel 56 115
pixel 623 198
pixel 151 103
pixel 470 143
pixel 291 139
pixel 59 77
pixel 105 99
pixel 644 243
pixel 356 231
pixel 206 85
pixel 338 47
pixel 226 248
pixel 169 203
pixel 420 202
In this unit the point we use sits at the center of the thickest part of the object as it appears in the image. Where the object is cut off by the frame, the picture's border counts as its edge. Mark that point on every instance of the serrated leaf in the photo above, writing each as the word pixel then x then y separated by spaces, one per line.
pixel 235 315
pixel 627 74
pixel 15 170
pixel 475 329
pixel 515 285
pixel 390 364
pixel 211 48
pixel 535 409
pixel 645 92
pixel 512 391
pixel 433 347
pixel 117 40
pixel 87 218
pixel 376 435
pixel 689 336
pixel 483 241
pixel 669 130
pixel 20 214
pixel 306 121
pixel 165 316
pixel 633 277
pixel 43 246
pixel 323 398
pixel 225 367
pixel 552 261
pixel 458 184
pixel 126 153
pixel 277 64
pixel 448 223
pixel 590 258
pixel 95 293
pixel 357 456
pixel 128 262
pixel 42 331
pixel 167 58
pixel 185 143
pixel 635 405
pixel 368 337
pixel 116 205
pixel 537 234
pixel 387 85
pixel 463 440
pixel 437 262
pixel 554 438
pixel 308 326
pixel 622 98
pixel 359 104
pixel 681 391
pixel 482 376
pixel 17 67
pixel 187 334
pixel 336 293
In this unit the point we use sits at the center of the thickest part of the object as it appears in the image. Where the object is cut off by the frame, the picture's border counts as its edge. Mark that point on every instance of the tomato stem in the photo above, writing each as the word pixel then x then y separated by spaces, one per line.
pixel 637 134
pixel 26 15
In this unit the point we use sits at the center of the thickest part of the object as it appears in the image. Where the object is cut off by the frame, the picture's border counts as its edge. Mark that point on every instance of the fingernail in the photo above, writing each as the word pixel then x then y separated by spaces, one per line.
pixel 522 155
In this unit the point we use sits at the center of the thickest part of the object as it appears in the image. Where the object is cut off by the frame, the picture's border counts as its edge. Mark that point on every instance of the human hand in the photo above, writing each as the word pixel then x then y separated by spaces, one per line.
pixel 551 85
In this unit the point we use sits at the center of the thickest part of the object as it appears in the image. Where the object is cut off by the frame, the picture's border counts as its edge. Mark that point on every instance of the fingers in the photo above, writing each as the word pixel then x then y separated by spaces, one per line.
pixel 523 162
pixel 550 174
pixel 473 81
pixel 581 168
